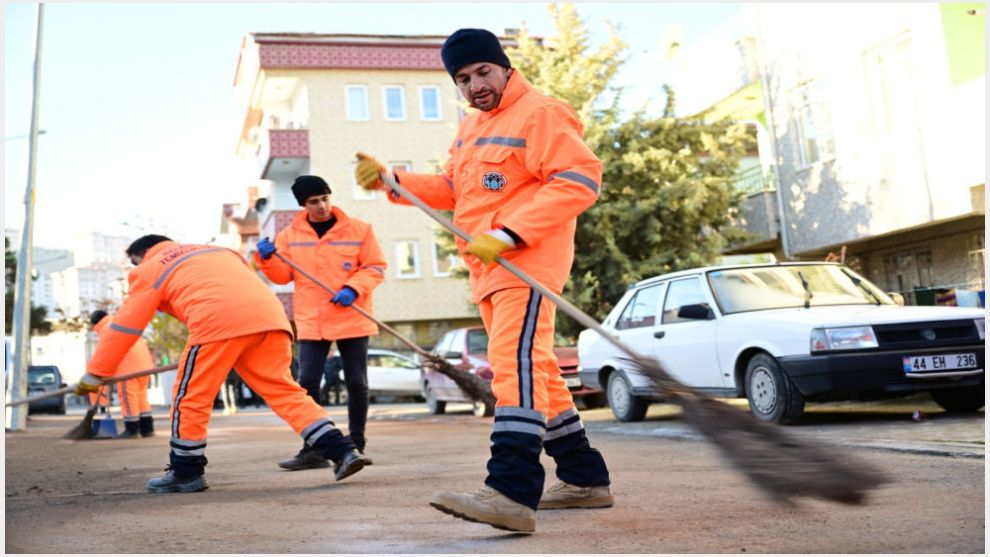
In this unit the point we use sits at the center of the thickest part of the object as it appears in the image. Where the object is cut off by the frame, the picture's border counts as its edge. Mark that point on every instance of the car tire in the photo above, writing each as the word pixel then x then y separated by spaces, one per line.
pixel 482 410
pixel 960 401
pixel 597 400
pixel 60 410
pixel 773 397
pixel 436 407
pixel 626 407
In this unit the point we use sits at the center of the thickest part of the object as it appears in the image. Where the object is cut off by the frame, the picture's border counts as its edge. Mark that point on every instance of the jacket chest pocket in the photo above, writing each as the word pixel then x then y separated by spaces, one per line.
pixel 494 170
pixel 344 256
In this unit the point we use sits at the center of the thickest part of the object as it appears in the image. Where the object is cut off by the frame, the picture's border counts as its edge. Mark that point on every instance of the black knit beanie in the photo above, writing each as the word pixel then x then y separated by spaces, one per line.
pixel 308 186
pixel 470 46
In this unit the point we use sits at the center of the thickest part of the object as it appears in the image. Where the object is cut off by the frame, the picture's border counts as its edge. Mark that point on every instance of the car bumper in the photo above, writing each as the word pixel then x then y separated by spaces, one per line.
pixel 881 372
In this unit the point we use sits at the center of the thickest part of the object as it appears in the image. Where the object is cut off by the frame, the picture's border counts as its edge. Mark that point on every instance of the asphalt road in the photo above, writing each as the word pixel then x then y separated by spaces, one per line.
pixel 674 491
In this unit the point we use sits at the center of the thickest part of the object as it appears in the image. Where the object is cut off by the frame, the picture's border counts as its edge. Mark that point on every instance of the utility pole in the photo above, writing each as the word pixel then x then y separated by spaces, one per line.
pixel 16 418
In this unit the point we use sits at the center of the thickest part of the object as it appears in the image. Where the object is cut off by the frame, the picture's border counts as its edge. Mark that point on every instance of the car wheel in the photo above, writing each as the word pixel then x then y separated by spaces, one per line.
pixel 596 400
pixel 625 406
pixel 773 397
pixel 960 400
pixel 482 410
pixel 435 406
pixel 60 410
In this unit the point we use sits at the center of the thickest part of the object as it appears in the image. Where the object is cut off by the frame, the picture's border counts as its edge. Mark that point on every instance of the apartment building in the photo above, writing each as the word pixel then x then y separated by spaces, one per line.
pixel 310 102
pixel 874 118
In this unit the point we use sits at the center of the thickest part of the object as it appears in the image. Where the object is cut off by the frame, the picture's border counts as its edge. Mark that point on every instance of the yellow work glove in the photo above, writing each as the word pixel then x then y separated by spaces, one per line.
pixel 490 245
pixel 89 383
pixel 369 172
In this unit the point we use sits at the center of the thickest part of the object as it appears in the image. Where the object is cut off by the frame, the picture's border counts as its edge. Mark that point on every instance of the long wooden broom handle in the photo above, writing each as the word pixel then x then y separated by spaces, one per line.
pixel 567 307
pixel 356 308
pixel 109 381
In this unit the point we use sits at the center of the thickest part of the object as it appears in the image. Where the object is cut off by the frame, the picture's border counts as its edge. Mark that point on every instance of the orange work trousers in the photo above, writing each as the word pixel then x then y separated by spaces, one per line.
pixel 534 411
pixel 262 361
pixel 133 395
pixel 520 325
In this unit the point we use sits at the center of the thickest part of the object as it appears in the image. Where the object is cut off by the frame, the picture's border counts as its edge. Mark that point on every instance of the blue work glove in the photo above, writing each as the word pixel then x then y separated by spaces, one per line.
pixel 265 248
pixel 344 297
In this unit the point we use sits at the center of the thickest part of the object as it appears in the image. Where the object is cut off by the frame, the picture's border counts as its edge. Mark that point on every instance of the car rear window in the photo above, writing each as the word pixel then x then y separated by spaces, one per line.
pixel 43 376
pixel 477 341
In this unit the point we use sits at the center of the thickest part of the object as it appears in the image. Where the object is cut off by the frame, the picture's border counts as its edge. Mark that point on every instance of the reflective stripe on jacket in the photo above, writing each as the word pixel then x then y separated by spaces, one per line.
pixel 347 255
pixel 138 358
pixel 210 289
pixel 523 166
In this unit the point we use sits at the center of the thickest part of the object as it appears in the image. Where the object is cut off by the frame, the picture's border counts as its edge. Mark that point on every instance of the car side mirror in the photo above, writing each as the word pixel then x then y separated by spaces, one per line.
pixel 897 297
pixel 695 311
pixel 453 355
pixel 62 385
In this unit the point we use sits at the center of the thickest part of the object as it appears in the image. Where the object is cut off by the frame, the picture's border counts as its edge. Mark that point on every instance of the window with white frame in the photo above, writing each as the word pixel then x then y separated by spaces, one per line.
pixel 429 103
pixel 395 102
pixel 404 166
pixel 357 192
pixel 407 258
pixel 814 125
pixel 443 261
pixel 889 74
pixel 357 103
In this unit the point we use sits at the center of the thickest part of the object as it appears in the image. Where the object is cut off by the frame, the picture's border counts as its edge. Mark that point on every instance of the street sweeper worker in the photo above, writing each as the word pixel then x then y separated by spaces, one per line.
pixel 234 321
pixel 342 253
pixel 133 393
pixel 518 176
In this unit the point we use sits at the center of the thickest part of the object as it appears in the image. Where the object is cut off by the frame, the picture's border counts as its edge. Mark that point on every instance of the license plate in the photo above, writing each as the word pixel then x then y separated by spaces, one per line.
pixel 572 381
pixel 916 364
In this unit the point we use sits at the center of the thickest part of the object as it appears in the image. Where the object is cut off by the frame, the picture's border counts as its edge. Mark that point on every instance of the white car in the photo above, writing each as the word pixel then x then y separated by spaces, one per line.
pixel 781 334
pixel 389 373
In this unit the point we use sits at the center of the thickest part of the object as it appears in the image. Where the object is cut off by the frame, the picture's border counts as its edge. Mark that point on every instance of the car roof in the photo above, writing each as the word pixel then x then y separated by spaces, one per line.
pixel 703 270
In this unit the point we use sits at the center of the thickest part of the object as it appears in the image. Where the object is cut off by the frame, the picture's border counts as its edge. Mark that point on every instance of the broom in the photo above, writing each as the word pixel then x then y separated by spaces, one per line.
pixel 472 385
pixel 66 390
pixel 84 429
pixel 778 463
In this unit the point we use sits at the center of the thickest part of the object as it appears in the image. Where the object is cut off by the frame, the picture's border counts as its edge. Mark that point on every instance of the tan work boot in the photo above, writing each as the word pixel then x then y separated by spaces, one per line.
pixel 488 506
pixel 563 495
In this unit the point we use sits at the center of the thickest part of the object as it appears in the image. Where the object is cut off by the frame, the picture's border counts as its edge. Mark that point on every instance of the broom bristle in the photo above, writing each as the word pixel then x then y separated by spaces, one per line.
pixel 472 385
pixel 778 463
pixel 83 430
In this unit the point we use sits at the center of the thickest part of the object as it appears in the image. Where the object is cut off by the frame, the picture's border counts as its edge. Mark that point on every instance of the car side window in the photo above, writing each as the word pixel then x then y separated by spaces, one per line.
pixel 682 293
pixel 457 345
pixel 442 346
pixel 375 360
pixel 641 311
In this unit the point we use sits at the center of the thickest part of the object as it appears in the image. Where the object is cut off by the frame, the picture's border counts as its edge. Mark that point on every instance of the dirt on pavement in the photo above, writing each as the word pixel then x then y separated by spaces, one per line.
pixel 672 496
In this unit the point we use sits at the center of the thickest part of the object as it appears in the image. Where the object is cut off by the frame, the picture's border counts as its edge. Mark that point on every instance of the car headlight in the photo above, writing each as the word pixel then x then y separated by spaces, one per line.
pixel 843 338
pixel 980 324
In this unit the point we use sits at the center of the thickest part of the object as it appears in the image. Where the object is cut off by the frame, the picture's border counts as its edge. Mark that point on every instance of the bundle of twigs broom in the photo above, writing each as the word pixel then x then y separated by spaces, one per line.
pixel 472 385
pixel 780 464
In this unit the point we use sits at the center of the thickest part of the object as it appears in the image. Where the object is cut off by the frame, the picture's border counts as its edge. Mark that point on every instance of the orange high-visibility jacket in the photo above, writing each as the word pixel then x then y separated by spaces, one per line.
pixel 138 358
pixel 212 290
pixel 347 255
pixel 524 166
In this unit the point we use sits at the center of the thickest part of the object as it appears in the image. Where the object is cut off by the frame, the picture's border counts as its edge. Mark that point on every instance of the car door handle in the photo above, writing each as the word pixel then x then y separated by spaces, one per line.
pixel 659 334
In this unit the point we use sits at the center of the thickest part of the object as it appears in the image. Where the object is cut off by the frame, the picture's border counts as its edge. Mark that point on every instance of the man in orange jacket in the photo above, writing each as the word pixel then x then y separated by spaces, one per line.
pixel 234 321
pixel 343 253
pixel 133 393
pixel 518 176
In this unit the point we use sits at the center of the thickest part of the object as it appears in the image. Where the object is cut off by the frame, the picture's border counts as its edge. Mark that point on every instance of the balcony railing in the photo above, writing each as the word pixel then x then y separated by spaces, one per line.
pixel 754 180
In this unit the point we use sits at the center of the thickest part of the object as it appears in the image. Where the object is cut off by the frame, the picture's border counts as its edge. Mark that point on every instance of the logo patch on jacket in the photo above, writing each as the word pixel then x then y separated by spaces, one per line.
pixel 493 181
pixel 348 265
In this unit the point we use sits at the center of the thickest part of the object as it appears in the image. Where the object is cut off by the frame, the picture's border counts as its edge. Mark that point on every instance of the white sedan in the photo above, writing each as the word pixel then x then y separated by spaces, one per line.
pixel 783 334
pixel 389 374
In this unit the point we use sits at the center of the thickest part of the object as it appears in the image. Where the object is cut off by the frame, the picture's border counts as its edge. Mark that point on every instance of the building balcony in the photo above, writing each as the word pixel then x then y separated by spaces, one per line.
pixel 283 153
pixel 757 212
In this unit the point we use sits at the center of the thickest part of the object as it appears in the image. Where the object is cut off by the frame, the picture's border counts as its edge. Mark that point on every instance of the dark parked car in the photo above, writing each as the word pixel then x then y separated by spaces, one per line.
pixel 43 379
pixel 467 349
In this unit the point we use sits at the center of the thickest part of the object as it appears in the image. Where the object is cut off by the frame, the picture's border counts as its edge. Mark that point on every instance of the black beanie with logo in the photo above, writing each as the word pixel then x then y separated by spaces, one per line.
pixel 307 186
pixel 470 46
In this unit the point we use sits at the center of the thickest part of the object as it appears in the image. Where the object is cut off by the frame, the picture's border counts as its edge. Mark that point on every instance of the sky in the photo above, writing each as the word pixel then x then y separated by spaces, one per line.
pixel 137 99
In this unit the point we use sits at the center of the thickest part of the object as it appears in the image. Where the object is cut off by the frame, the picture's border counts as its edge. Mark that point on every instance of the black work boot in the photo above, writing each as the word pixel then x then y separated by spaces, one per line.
pixel 147 426
pixel 131 431
pixel 172 483
pixel 360 442
pixel 307 458
pixel 351 463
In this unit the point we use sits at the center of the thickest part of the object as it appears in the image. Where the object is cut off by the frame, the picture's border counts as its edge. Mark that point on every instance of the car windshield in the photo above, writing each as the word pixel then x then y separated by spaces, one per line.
pixel 790 286
pixel 477 341
pixel 41 376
